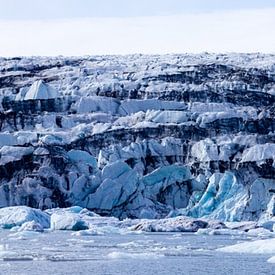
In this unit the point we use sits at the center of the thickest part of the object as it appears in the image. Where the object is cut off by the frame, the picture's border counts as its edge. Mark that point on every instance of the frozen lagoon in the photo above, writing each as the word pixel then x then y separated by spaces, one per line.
pixel 67 252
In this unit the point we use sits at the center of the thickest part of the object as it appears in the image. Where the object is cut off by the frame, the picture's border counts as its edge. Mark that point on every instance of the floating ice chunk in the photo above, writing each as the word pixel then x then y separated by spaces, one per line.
pixel 24 235
pixel 67 221
pixel 132 244
pixel 31 226
pixel 271 260
pixel 18 215
pixel 73 209
pixel 73 218
pixel 261 232
pixel 87 232
pixel 254 247
pixel 78 240
pixel 100 229
pixel 223 231
pixel 5 254
pixel 177 224
pixel 15 228
pixel 244 225
pixel 129 255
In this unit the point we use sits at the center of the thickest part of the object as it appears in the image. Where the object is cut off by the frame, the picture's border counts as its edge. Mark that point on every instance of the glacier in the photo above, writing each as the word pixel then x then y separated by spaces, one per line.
pixel 143 137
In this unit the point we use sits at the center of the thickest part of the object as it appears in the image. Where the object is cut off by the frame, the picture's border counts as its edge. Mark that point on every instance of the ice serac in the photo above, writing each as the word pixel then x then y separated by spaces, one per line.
pixel 40 90
pixel 118 183
pixel 168 185
pixel 224 199
pixel 140 136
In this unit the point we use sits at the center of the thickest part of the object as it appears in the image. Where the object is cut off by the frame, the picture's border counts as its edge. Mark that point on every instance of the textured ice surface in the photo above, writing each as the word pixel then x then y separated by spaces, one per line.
pixel 271 260
pixel 150 253
pixel 178 224
pixel 108 245
pixel 31 226
pixel 19 215
pixel 40 90
pixel 140 136
pixel 255 247
pixel 67 221
pixel 224 199
pixel 259 153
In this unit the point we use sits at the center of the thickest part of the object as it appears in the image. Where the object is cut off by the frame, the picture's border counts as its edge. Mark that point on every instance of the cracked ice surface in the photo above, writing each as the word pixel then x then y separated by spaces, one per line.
pixel 140 136
pixel 113 253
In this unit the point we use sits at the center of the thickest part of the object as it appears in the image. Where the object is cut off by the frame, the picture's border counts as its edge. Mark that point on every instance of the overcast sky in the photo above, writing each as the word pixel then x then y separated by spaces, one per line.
pixel 79 27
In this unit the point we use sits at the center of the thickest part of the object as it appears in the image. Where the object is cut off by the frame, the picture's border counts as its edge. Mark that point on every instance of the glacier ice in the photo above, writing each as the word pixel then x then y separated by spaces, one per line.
pixel 140 136
pixel 177 224
pixel 254 247
pixel 40 90
pixel 271 260
pixel 119 182
pixel 67 221
pixel 20 215
pixel 31 226
pixel 259 152
pixel 71 218
pixel 224 199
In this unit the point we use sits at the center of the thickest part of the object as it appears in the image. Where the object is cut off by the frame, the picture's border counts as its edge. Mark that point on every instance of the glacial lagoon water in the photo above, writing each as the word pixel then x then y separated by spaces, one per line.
pixel 66 252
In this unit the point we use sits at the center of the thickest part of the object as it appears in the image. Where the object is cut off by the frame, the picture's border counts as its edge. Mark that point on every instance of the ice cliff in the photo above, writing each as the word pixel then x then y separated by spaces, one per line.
pixel 140 136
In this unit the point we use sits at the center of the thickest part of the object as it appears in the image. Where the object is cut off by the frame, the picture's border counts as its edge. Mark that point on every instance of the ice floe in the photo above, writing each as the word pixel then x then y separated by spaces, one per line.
pixel 19 215
pixel 178 224
pixel 253 247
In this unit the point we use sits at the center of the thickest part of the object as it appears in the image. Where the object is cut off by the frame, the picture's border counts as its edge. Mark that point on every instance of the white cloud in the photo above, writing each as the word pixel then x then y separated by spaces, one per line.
pixel 237 31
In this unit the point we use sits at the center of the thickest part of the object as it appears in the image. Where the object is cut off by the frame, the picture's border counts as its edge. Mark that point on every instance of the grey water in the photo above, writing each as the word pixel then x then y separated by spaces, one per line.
pixel 64 252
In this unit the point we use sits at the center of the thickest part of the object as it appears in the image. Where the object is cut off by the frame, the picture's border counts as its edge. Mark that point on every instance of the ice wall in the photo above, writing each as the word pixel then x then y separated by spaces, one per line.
pixel 140 136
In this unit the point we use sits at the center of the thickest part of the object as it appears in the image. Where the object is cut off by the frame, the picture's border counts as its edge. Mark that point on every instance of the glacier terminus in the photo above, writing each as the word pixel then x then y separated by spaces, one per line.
pixel 149 149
